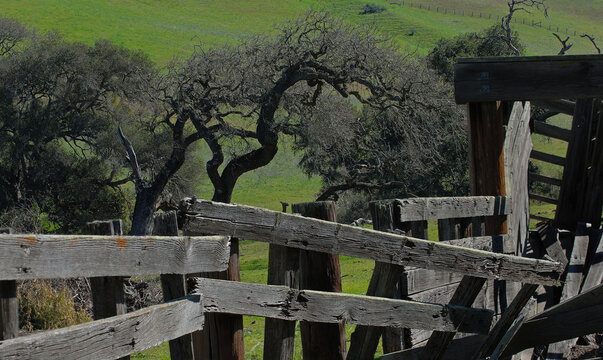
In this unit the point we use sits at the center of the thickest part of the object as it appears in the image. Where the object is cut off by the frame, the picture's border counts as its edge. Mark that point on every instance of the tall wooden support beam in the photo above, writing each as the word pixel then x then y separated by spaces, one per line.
pixel 108 297
pixel 528 78
pixel 9 305
pixel 320 271
pixel 283 269
pixel 173 285
pixel 487 178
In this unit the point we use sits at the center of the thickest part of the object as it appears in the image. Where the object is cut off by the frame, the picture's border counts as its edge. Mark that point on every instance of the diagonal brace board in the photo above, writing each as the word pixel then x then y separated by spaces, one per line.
pixel 257 224
pixel 285 303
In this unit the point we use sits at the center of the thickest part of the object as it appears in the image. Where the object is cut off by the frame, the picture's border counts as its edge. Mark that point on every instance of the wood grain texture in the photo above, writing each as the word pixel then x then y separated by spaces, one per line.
pixel 595 272
pixel 577 316
pixel 318 235
pixel 528 78
pixel 458 349
pixel 62 256
pixel 9 304
pixel 433 208
pixel 112 337
pixel 308 305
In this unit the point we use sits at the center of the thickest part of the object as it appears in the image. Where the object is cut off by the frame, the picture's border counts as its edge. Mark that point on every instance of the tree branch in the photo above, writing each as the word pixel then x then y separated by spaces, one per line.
pixel 565 46
pixel 132 159
pixel 592 40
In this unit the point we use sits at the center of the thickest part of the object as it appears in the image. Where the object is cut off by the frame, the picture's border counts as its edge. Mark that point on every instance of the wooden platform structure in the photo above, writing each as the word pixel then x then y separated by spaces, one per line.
pixel 480 292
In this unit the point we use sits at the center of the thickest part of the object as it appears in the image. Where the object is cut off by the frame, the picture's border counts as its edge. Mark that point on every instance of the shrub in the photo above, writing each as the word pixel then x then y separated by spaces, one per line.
pixel 372 9
pixel 41 307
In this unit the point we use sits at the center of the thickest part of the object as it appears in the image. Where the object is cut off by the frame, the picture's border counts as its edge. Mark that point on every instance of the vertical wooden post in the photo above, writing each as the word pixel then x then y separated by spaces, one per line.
pixel 283 269
pixel 108 297
pixel 9 305
pixel 365 339
pixel 173 285
pixel 320 271
pixel 581 194
pixel 487 178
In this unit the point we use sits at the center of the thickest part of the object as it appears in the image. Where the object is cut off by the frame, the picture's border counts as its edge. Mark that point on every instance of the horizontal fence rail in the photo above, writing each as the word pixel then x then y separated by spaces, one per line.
pixel 112 337
pixel 306 305
pixel 434 208
pixel 64 256
pixel 311 234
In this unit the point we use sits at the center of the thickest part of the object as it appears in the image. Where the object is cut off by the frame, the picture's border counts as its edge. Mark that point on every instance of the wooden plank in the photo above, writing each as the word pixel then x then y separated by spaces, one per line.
pixel 543 199
pixel 9 305
pixel 320 271
pixel 110 338
pixel 25 257
pixel 549 158
pixel 432 208
pixel 542 128
pixel 327 307
pixel 540 218
pixel 544 179
pixel 527 78
pixel 318 235
pixel 508 336
pixel 458 349
pixel 173 285
pixel 571 286
pixel 465 295
pixel 560 105
pixel 577 316
pixel 595 272
pixel 506 321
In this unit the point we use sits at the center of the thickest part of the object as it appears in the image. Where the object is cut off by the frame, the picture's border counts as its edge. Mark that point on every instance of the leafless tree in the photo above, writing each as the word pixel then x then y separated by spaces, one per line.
pixel 11 33
pixel 592 41
pixel 565 45
pixel 515 6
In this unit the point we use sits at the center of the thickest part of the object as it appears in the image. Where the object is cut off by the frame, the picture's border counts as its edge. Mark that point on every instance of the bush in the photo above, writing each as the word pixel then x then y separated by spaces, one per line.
pixel 372 9
pixel 41 307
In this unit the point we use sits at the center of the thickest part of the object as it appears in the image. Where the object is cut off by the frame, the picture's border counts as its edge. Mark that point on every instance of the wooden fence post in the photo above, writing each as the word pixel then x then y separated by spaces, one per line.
pixel 320 271
pixel 108 297
pixel 9 305
pixel 173 285
pixel 283 269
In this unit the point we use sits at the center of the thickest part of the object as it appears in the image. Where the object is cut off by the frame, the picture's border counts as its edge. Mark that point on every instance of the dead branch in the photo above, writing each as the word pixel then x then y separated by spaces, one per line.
pixel 592 40
pixel 131 157
pixel 565 46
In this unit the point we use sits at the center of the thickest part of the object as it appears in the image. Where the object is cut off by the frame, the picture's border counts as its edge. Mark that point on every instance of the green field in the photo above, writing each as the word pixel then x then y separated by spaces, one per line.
pixel 168 29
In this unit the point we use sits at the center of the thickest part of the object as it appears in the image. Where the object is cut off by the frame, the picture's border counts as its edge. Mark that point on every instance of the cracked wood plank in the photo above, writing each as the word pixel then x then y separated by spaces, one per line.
pixel 282 302
pixel 311 234
pixel 25 257
pixel 112 337
pixel 435 208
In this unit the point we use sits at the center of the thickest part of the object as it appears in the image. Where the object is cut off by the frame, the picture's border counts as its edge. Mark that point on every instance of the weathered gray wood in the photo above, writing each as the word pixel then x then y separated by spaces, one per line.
pixel 173 285
pixel 320 271
pixel 506 321
pixel 528 78
pixel 62 256
pixel 458 349
pixel 9 305
pixel 307 305
pixel 414 209
pixel 464 295
pixel 283 269
pixel 508 336
pixel 577 316
pixel 317 235
pixel 595 272
pixel 518 145
pixel 549 158
pixel 543 199
pixel 571 287
pixel 110 338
